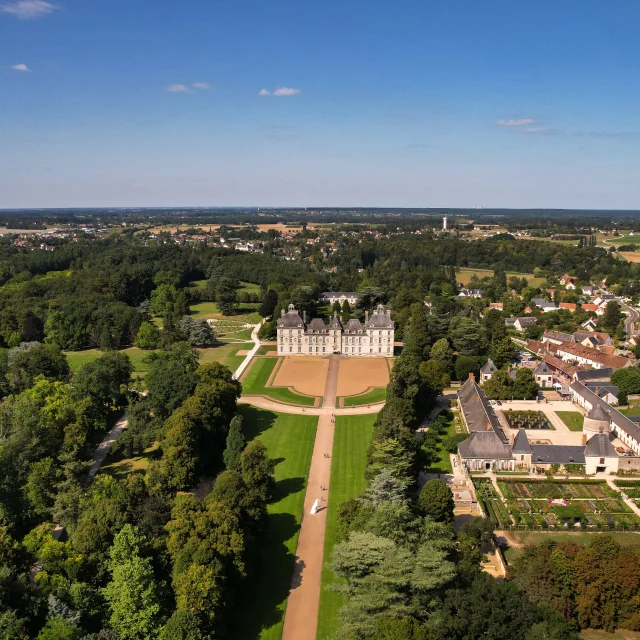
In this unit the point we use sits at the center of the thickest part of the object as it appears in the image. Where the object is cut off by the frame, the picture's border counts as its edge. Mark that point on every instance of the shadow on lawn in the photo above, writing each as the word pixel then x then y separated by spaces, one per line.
pixel 269 586
pixel 256 421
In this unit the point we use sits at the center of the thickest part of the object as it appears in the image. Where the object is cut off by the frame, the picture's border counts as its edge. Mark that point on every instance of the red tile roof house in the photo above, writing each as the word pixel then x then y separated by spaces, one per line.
pixel 572 306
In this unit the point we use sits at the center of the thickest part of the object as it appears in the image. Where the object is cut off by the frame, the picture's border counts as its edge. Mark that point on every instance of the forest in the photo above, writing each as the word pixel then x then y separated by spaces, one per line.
pixel 167 555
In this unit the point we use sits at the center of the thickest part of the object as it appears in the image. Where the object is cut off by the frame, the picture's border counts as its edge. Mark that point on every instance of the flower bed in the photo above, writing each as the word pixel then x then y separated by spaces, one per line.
pixel 630 487
pixel 527 420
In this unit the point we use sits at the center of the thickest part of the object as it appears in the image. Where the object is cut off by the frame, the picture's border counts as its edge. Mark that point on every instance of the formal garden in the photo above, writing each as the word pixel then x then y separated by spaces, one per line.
pixel 549 504
pixel 631 488
pixel 527 420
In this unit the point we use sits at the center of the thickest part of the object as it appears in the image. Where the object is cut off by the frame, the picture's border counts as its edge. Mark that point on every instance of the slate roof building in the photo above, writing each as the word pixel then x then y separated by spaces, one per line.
pixel 374 338
pixel 487 446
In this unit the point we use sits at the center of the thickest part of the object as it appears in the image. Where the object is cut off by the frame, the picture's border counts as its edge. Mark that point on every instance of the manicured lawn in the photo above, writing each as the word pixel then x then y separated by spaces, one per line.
pixel 289 440
pixel 375 395
pixel 245 313
pixel 225 354
pixel 465 274
pixel 249 287
pixel 349 460
pixel 442 464
pixel 137 356
pixel 256 379
pixel 204 309
pixel 572 419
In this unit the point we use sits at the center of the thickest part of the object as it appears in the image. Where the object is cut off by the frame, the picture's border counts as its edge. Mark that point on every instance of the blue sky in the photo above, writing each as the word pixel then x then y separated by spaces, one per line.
pixel 319 102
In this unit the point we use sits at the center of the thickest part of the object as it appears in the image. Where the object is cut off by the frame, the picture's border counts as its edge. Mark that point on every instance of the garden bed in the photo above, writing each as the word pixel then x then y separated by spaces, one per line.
pixel 528 420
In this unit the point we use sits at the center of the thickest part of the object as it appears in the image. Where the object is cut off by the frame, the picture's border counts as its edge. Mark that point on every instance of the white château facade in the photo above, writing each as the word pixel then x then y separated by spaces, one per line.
pixel 374 338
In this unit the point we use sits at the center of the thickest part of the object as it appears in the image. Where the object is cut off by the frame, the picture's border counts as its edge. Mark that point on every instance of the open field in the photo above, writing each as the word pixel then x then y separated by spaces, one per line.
pixel 631 256
pixel 247 287
pixel 137 356
pixel 350 444
pixel 289 440
pixel 465 274
pixel 573 419
pixel 256 382
pixel 225 354
pixel 360 375
pixel 307 375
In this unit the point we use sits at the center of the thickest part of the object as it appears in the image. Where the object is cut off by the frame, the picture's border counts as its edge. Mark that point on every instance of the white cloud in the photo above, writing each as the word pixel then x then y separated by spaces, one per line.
pixel 537 130
pixel 201 85
pixel 286 91
pixel 279 91
pixel 178 88
pixel 518 122
pixel 28 9
pixel 20 67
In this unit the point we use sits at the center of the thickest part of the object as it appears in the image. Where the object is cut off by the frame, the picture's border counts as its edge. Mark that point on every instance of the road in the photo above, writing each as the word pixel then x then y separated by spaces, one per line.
pixel 631 319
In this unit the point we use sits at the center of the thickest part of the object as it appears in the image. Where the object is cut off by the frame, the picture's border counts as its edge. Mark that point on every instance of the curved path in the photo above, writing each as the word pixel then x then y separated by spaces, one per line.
pixel 272 405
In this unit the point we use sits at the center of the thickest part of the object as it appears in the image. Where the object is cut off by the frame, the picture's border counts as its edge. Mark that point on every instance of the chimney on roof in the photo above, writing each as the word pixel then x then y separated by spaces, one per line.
pixel 304 317
pixel 281 312
pixel 472 376
pixel 366 315
pixel 340 319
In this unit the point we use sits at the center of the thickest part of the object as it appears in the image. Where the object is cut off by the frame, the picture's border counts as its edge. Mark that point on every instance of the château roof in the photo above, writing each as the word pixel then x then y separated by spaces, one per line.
pixel 335 322
pixel 599 446
pixel 354 326
pixel 521 443
pixel 290 319
pixel 380 319
pixel 317 325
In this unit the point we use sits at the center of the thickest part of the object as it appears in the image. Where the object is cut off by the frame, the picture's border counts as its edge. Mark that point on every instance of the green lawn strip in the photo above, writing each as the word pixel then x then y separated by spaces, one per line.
pixel 77 359
pixel 225 354
pixel 349 460
pixel 119 467
pixel 250 287
pixel 375 395
pixel 263 349
pixel 245 313
pixel 289 440
pixel 573 419
pixel 442 464
pixel 257 377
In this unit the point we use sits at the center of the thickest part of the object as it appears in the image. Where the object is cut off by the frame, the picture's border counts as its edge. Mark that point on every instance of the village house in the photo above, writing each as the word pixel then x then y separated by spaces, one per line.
pixel 339 296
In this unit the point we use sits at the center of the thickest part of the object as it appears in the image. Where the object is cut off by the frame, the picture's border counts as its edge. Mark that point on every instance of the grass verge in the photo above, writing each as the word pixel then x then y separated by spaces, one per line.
pixel 375 395
pixel 349 460
pixel 289 440
pixel 573 419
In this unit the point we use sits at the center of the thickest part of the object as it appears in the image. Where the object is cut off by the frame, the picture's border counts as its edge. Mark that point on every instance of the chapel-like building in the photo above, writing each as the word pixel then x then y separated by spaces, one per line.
pixel 374 338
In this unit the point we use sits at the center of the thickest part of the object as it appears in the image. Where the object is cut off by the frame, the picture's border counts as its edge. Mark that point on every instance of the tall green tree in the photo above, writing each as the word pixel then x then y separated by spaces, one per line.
pixel 132 594
pixel 235 444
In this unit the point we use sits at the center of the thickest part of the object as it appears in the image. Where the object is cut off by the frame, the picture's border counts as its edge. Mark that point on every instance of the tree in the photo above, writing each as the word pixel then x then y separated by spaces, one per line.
pixel 269 303
pixel 466 336
pixel 226 296
pixel 524 386
pixel 184 625
pixel 384 487
pixel 628 379
pixel 346 309
pixel 235 444
pixel 436 501
pixel 499 386
pixel 257 471
pixel 466 365
pixel 197 332
pixel 611 318
pixel 148 336
pixel 435 374
pixel 41 486
pixel 441 351
pixel 502 352
pixel 29 360
pixel 58 628
pixel 105 380
pixel 132 594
